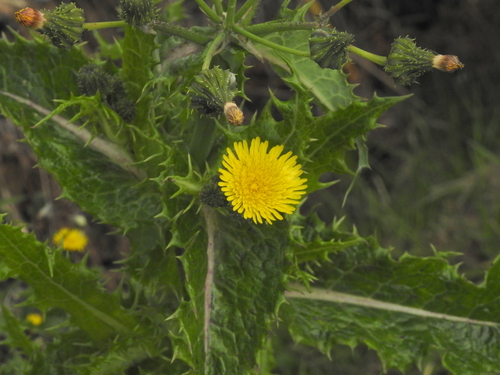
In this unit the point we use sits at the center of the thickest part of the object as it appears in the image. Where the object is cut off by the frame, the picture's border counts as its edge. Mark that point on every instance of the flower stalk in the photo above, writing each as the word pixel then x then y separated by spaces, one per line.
pixel 334 9
pixel 272 27
pixel 377 59
pixel 248 8
pixel 268 43
pixel 169 28
pixel 208 11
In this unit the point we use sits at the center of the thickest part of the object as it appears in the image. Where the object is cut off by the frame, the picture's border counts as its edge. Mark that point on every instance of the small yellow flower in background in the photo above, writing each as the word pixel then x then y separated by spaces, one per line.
pixel 261 185
pixel 70 239
pixel 35 319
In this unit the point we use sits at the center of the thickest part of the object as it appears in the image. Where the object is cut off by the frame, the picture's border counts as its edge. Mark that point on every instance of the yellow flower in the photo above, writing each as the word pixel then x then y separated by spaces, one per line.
pixel 34 318
pixel 70 239
pixel 261 185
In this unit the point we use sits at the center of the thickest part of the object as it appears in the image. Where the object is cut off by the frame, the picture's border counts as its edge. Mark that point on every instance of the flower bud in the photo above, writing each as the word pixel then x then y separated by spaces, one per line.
pixel 137 13
pixel 212 94
pixel 406 62
pixel 30 18
pixel 329 48
pixel 211 194
pixel 93 78
pixel 63 26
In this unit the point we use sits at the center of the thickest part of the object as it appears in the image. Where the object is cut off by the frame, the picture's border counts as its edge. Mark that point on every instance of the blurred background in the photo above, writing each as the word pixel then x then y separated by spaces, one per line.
pixel 435 165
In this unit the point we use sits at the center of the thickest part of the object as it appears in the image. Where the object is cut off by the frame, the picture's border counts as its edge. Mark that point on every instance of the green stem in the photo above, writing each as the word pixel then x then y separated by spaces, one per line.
pixel 103 25
pixel 247 8
pixel 334 10
pixel 208 11
pixel 218 6
pixel 171 29
pixel 272 45
pixel 380 60
pixel 211 49
pixel 231 7
pixel 271 27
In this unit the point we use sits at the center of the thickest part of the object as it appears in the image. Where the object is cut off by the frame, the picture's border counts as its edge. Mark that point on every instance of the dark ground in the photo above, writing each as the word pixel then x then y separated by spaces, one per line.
pixel 431 181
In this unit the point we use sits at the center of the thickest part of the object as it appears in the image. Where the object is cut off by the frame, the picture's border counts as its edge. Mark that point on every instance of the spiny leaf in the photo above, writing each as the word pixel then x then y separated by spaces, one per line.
pixel 328 86
pixel 63 284
pixel 403 309
pixel 224 327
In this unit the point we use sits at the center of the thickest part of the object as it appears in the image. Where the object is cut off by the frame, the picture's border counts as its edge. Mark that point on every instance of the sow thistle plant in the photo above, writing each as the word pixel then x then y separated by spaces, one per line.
pixel 149 134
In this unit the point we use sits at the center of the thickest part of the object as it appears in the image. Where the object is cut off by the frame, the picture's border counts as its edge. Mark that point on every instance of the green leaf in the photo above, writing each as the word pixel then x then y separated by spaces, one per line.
pixel 49 76
pixel 235 291
pixel 137 68
pixel 328 86
pixel 404 309
pixel 16 337
pixel 319 141
pixel 59 283
pixel 87 177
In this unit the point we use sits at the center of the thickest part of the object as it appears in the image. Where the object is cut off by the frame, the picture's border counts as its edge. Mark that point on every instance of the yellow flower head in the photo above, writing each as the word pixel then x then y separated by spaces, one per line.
pixel 70 239
pixel 261 185
pixel 35 319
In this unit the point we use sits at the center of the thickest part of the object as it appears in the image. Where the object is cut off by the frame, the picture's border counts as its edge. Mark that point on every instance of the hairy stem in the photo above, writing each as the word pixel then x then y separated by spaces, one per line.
pixel 247 8
pixel 334 9
pixel 171 29
pixel 231 9
pixel 208 11
pixel 103 25
pixel 218 6
pixel 272 45
pixel 212 50
pixel 211 226
pixel 271 27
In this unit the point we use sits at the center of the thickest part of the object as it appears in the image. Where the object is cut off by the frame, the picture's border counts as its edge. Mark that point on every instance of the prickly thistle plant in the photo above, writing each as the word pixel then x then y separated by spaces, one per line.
pixel 154 143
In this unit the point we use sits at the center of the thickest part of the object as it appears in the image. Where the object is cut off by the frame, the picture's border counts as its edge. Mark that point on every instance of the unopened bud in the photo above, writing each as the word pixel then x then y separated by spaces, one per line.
pixel 212 196
pixel 30 18
pixel 212 94
pixel 446 63
pixel 406 62
pixel 233 114
pixel 137 12
pixel 329 48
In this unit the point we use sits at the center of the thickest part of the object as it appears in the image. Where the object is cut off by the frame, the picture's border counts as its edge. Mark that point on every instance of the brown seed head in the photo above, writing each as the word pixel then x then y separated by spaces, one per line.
pixel 30 18
pixel 234 115
pixel 446 63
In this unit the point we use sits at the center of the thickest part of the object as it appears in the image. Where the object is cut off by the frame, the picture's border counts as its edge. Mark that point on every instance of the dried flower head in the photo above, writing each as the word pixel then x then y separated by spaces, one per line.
pixel 63 25
pixel 70 239
pixel 446 63
pixel 406 62
pixel 30 18
pixel 233 114
pixel 212 94
pixel 261 185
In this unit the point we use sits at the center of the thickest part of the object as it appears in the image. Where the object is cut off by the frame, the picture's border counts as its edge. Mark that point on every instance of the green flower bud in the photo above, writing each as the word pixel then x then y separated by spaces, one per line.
pixel 329 48
pixel 93 78
pixel 406 62
pixel 137 13
pixel 63 26
pixel 211 194
pixel 212 94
